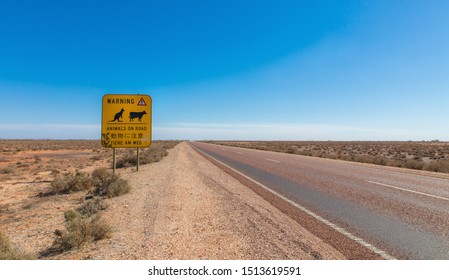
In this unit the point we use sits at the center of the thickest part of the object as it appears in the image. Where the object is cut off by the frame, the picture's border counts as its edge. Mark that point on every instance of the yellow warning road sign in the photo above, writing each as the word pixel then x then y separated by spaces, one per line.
pixel 126 121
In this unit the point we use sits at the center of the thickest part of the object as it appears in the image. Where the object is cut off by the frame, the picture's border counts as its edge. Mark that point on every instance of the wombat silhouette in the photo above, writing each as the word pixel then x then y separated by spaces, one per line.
pixel 118 116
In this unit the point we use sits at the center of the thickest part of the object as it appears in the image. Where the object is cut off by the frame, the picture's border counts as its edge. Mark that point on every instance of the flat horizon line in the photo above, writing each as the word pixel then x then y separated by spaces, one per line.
pixel 221 140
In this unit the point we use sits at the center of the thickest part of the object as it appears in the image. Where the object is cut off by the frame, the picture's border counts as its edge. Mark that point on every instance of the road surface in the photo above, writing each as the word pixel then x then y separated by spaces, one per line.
pixel 387 212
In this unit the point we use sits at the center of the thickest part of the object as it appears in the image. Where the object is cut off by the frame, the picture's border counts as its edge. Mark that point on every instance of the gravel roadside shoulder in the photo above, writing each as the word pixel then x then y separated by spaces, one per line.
pixel 184 207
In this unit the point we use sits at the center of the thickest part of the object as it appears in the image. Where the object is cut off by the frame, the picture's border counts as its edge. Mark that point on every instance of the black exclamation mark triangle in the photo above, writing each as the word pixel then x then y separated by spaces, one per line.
pixel 141 102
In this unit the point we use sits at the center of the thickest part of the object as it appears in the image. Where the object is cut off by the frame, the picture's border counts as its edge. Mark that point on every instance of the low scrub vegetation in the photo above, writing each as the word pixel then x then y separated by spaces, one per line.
pixel 47 145
pixel 425 155
pixel 101 182
pixel 68 182
pixel 8 251
pixel 85 224
pixel 154 153
pixel 80 229
pixel 92 207
pixel 438 166
pixel 10 169
pixel 108 184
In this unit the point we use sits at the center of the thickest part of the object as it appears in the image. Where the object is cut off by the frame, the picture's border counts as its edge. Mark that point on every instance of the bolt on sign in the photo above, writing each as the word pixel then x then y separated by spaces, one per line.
pixel 126 121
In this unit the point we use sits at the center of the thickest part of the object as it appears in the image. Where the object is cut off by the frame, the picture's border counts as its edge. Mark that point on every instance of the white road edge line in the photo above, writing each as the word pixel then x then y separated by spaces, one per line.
pixel 273 160
pixel 359 240
pixel 240 153
pixel 406 190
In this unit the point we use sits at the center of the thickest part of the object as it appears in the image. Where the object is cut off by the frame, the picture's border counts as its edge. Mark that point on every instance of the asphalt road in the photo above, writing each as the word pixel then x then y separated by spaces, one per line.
pixel 391 212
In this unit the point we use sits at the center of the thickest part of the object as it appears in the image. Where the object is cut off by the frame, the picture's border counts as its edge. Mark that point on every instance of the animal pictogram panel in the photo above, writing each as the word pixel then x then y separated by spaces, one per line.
pixel 126 121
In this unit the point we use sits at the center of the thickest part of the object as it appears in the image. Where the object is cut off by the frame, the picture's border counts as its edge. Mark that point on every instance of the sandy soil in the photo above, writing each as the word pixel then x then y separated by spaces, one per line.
pixel 183 207
pixel 28 217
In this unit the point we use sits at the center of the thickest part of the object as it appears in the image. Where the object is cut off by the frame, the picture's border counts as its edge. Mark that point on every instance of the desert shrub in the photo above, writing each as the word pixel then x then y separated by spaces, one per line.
pixel 108 184
pixel 68 182
pixel 118 187
pixel 149 155
pixel 37 159
pixel 127 160
pixel 79 230
pixel 363 158
pixel 96 158
pixel 170 144
pixel 414 164
pixel 91 207
pixel 438 166
pixel 155 153
pixel 380 160
pixel 102 177
pixel 8 251
pixel 10 169
pixel 330 155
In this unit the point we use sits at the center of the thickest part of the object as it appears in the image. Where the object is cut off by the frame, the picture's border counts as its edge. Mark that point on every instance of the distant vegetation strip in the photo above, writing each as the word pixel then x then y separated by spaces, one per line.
pixel 11 146
pixel 154 153
pixel 429 156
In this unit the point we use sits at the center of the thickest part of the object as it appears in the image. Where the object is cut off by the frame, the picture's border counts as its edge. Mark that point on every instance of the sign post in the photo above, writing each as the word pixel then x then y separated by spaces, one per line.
pixel 113 160
pixel 126 122
pixel 138 159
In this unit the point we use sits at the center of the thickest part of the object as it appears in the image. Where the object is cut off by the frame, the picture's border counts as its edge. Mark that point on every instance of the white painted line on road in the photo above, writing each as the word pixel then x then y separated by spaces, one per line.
pixel 273 160
pixel 346 233
pixel 240 153
pixel 411 191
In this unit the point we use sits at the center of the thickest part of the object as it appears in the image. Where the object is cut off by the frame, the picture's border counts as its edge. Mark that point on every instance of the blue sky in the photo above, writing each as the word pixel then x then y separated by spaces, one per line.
pixel 256 70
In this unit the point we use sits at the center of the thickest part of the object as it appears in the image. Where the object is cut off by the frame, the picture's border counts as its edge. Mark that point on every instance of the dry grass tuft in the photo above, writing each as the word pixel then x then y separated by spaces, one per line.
pixel 79 230
pixel 92 207
pixel 108 184
pixel 102 181
pixel 8 251
pixel 68 182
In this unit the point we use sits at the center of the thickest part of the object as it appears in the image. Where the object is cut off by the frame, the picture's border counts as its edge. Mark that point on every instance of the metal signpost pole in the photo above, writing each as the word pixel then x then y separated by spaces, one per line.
pixel 138 159
pixel 113 161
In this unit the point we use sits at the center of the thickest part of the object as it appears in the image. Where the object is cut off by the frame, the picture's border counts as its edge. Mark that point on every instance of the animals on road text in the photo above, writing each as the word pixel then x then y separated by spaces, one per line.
pixel 118 116
pixel 139 115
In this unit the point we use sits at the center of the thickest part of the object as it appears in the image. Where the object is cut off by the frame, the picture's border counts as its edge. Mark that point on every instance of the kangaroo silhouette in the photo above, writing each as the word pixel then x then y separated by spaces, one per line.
pixel 118 116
